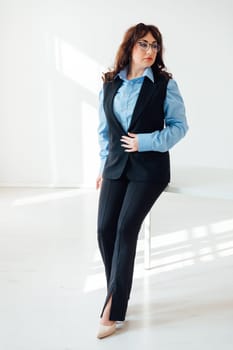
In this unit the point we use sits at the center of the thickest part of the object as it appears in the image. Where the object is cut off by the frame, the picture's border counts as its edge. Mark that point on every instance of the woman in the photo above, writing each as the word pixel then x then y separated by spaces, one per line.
pixel 142 116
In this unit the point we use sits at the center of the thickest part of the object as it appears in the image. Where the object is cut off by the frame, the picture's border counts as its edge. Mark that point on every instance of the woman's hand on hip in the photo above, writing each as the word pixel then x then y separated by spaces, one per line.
pixel 130 143
pixel 99 182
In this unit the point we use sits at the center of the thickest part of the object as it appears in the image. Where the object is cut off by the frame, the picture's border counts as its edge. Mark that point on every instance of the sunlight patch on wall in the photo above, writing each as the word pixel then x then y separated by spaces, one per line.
pixel 78 66
pixel 85 72
pixel 90 147
pixel 52 137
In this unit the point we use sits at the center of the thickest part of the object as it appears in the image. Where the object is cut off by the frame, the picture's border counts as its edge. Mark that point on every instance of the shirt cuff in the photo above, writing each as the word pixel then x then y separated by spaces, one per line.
pixel 145 142
pixel 102 164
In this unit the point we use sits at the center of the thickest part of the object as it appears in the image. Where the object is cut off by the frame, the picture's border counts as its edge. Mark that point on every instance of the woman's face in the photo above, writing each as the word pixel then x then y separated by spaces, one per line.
pixel 144 52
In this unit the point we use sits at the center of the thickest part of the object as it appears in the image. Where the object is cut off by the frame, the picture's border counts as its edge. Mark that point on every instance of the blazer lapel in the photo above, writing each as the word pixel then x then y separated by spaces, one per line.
pixel 109 102
pixel 146 92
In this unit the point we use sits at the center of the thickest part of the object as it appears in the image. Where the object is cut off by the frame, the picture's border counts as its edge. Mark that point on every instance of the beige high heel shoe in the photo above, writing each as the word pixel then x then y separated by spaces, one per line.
pixel 105 331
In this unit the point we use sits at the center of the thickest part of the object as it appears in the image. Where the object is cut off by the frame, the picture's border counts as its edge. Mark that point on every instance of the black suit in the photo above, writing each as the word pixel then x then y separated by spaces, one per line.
pixel 148 116
pixel 131 184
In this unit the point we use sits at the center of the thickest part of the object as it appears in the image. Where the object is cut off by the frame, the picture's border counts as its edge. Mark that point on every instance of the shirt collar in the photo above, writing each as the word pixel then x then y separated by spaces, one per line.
pixel 147 73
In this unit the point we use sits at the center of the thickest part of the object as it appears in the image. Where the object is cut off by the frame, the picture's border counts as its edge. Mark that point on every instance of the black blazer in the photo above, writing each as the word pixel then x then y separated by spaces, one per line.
pixel 148 116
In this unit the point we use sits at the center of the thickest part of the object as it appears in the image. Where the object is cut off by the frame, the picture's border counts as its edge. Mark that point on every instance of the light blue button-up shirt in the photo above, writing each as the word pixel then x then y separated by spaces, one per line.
pixel 123 107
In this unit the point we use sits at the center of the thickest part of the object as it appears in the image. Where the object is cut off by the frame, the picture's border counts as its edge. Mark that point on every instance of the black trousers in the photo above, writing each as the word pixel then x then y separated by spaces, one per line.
pixel 123 205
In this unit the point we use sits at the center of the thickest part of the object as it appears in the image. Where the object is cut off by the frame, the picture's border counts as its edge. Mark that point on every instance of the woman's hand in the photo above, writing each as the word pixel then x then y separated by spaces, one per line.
pixel 130 143
pixel 99 182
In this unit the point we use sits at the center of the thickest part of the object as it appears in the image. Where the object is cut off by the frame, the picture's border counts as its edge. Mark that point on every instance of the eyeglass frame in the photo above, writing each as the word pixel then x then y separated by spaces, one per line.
pixel 154 46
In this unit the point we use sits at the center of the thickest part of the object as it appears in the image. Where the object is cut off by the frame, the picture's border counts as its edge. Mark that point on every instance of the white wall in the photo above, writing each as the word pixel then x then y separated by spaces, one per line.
pixel 52 56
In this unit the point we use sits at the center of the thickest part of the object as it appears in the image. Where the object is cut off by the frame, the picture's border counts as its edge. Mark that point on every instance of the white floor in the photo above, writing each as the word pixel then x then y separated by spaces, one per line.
pixel 52 283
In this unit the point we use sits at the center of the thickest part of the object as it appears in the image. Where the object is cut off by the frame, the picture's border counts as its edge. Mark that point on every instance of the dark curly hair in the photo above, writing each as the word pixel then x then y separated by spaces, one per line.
pixel 123 56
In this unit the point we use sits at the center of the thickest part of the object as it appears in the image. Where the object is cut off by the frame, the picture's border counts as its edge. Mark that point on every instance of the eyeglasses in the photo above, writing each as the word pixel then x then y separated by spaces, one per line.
pixel 144 45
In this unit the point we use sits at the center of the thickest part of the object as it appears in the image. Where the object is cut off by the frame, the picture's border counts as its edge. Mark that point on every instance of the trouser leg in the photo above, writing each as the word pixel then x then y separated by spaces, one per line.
pixel 139 199
pixel 136 200
pixel 110 202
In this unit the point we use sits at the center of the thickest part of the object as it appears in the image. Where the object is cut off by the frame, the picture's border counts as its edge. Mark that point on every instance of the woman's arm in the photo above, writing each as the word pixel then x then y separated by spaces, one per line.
pixel 102 133
pixel 175 123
